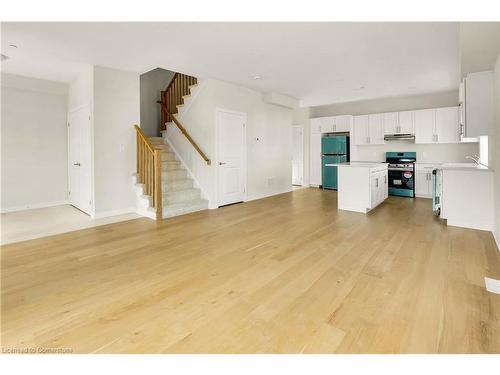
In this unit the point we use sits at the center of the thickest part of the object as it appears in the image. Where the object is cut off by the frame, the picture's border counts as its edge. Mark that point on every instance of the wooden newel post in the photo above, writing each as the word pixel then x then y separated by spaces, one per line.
pixel 158 197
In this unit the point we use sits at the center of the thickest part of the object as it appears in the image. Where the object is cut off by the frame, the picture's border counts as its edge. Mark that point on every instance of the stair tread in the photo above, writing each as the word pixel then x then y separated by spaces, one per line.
pixel 189 189
pixel 193 202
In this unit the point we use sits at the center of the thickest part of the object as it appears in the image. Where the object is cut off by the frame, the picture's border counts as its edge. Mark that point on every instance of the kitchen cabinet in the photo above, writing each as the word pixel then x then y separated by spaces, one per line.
pixel 315 160
pixel 447 127
pixel 376 129
pixel 378 187
pixel 478 104
pixel 361 135
pixel 369 129
pixel 407 122
pixel 391 122
pixel 424 126
pixel 423 179
pixel 331 124
pixel 437 125
pixel 315 124
pixel 342 123
pixel 361 186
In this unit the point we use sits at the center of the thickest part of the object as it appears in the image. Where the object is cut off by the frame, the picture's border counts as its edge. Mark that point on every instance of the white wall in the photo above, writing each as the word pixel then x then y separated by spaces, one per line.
pixel 34 142
pixel 300 116
pixel 116 110
pixel 152 83
pixel 81 91
pixel 269 168
pixel 495 150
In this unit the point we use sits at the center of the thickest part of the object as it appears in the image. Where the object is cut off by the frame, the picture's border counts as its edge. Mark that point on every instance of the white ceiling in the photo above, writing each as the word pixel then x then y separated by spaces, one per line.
pixel 318 63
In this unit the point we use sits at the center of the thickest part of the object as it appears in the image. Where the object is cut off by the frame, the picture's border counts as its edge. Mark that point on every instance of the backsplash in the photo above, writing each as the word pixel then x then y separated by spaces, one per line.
pixel 453 152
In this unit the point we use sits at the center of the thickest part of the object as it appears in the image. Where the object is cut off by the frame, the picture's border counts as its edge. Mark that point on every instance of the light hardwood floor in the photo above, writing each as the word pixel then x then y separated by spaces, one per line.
pixel 286 274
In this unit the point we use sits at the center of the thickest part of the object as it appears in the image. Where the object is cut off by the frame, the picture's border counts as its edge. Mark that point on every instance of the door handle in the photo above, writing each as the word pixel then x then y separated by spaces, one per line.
pixel 221 163
pixel 77 164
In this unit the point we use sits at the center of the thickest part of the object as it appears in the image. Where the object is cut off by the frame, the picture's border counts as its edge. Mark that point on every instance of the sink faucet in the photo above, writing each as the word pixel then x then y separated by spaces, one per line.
pixel 476 159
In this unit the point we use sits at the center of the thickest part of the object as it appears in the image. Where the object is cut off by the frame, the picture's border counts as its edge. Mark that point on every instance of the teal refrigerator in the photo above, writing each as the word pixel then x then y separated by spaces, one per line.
pixel 334 149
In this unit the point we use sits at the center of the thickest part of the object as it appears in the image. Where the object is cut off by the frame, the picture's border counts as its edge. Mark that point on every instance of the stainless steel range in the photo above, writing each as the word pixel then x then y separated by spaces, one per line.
pixel 401 173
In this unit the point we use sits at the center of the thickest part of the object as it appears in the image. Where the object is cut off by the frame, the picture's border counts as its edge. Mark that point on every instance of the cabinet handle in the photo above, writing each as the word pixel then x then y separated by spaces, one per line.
pixel 376 182
pixel 437 137
pixel 385 179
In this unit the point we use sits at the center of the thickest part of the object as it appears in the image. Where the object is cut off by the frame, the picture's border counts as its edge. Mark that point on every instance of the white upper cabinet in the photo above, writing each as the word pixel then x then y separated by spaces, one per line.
pixel 399 122
pixel 437 125
pixel 327 125
pixel 361 135
pixel 376 129
pixel 332 124
pixel 391 122
pixel 406 122
pixel 479 104
pixel 342 123
pixel 447 127
pixel 316 125
pixel 424 126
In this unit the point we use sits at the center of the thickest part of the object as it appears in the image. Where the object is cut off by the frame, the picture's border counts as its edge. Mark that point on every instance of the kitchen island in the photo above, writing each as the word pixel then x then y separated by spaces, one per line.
pixel 362 186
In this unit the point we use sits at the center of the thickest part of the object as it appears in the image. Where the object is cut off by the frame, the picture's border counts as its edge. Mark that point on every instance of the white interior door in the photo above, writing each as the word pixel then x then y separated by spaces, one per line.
pixel 298 155
pixel 79 159
pixel 231 151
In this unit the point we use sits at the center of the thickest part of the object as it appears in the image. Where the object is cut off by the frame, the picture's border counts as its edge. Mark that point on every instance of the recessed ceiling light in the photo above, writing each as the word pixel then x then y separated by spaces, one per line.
pixel 257 76
pixel 3 57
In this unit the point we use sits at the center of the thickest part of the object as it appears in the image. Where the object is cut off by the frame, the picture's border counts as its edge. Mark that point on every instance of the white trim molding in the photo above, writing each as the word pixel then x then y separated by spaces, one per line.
pixel 121 211
pixel 33 206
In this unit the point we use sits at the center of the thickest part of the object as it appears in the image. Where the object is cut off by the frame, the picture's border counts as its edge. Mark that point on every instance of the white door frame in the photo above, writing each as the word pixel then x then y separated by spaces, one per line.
pixel 216 161
pixel 91 213
pixel 303 152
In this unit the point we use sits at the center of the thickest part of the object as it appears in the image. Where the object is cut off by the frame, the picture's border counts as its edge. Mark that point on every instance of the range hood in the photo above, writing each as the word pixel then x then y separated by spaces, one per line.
pixel 399 137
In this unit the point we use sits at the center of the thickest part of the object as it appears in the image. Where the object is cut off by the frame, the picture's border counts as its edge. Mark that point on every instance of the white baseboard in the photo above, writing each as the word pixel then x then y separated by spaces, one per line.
pixel 267 195
pixel 122 211
pixel 33 206
pixel 146 213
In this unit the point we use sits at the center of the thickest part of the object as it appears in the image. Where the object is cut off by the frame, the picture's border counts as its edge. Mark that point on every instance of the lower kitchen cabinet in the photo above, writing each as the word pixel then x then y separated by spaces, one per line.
pixel 362 186
pixel 378 187
pixel 423 179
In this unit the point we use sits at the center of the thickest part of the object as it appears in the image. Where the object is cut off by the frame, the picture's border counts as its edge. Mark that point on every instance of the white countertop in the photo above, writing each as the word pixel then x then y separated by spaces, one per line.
pixel 468 167
pixel 358 164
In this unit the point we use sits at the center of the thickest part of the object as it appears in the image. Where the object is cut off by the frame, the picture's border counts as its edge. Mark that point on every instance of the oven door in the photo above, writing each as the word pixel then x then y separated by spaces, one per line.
pixel 401 183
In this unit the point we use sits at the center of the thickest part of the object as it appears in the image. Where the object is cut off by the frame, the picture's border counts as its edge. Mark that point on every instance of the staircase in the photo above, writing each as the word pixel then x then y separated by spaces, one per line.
pixel 179 196
pixel 164 186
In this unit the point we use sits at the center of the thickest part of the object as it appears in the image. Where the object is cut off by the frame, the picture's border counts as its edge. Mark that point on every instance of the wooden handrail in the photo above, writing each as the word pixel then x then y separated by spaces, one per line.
pixel 145 139
pixel 185 133
pixel 149 170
